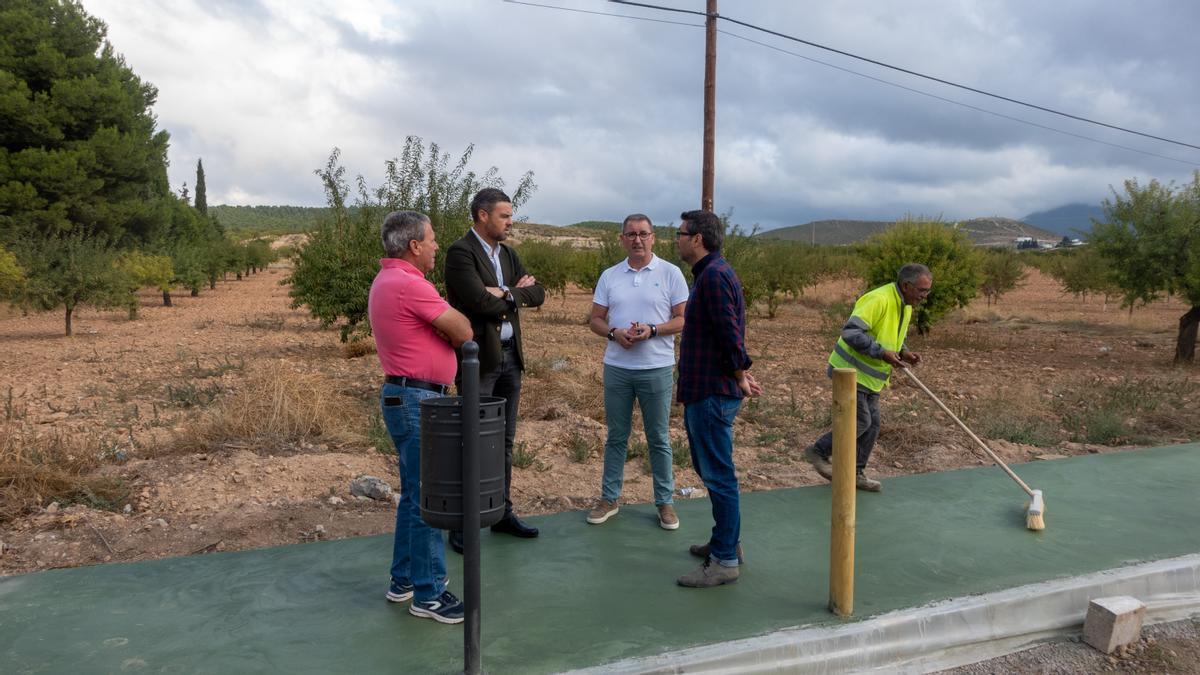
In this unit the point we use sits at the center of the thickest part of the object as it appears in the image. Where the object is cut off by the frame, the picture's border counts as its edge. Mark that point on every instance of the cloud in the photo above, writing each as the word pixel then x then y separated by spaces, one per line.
pixel 607 111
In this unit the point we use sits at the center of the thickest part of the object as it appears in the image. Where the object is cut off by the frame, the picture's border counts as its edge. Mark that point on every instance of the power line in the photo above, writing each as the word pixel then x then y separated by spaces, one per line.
pixel 863 75
pixel 588 11
pixel 914 73
pixel 960 103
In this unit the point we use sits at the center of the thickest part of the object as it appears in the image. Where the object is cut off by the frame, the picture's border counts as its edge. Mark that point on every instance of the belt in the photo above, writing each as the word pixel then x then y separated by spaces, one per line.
pixel 401 381
pixel 508 344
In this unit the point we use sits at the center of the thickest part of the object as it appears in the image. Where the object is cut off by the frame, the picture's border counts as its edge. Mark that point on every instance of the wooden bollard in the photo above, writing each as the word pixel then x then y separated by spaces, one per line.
pixel 841 538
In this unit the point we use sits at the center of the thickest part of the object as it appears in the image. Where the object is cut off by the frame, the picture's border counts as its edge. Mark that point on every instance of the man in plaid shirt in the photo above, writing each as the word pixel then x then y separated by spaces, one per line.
pixel 713 380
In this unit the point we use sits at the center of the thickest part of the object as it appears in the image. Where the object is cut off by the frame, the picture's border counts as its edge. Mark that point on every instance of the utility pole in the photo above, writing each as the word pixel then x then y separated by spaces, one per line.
pixel 710 106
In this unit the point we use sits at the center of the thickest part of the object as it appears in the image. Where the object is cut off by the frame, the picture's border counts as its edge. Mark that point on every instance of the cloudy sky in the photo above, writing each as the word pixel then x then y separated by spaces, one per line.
pixel 607 111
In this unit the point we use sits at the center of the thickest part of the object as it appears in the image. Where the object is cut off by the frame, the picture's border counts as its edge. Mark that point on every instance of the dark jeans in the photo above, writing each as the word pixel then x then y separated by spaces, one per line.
pixel 418 556
pixel 867 429
pixel 505 382
pixel 709 425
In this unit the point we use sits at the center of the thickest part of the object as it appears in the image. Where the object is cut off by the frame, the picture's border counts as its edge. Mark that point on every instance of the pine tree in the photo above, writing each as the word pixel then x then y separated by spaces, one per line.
pixel 81 154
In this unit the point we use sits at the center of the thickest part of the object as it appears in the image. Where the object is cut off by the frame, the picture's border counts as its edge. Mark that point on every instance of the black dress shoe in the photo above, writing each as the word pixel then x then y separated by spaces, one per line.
pixel 456 541
pixel 513 525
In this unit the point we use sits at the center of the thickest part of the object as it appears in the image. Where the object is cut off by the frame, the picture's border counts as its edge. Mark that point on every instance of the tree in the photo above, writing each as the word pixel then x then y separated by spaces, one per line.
pixel 948 254
pixel 550 263
pixel 773 270
pixel 332 273
pixel 79 152
pixel 1002 270
pixel 589 264
pixel 259 254
pixel 69 270
pixel 201 189
pixel 1150 241
pixel 11 274
pixel 139 270
pixel 1082 271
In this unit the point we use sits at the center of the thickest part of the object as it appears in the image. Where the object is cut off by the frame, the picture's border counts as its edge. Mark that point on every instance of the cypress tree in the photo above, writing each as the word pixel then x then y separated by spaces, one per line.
pixel 201 193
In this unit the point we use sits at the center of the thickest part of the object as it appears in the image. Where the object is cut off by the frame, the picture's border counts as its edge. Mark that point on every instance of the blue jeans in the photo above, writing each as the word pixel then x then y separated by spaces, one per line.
pixel 709 424
pixel 652 389
pixel 418 554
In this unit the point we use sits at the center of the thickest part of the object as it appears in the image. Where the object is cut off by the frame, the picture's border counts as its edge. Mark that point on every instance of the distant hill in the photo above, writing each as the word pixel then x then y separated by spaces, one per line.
pixel 605 225
pixel 983 231
pixel 829 232
pixel 269 219
pixel 997 231
pixel 1067 219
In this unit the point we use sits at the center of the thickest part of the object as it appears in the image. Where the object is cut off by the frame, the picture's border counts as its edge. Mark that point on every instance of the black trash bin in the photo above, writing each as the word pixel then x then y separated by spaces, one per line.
pixel 441 461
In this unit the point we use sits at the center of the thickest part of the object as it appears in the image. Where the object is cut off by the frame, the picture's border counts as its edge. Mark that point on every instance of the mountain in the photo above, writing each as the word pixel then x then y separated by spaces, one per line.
pixel 983 231
pixel 1066 219
pixel 829 232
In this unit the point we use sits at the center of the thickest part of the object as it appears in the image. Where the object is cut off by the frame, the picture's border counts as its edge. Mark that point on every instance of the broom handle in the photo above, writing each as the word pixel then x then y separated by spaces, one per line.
pixel 996 459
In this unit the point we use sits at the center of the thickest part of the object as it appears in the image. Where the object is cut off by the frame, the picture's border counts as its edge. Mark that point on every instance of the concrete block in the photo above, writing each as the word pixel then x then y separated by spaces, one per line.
pixel 1113 622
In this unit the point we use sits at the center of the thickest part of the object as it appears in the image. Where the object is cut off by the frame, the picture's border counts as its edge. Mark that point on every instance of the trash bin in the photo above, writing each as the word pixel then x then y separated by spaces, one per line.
pixel 441 461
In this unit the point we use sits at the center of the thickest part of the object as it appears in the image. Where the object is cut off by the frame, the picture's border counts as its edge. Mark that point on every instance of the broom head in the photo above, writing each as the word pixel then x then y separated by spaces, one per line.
pixel 1035 513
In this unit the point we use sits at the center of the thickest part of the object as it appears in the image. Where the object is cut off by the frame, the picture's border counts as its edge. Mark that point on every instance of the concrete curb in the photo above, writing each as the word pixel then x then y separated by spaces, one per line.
pixel 945 634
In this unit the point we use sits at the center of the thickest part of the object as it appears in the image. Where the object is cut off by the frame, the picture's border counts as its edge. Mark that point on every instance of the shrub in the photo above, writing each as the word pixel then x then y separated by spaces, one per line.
pixel 948 253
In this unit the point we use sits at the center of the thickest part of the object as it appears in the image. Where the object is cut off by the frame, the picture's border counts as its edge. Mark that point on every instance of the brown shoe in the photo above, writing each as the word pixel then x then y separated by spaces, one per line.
pixel 667 519
pixel 603 510
pixel 709 574
pixel 819 463
pixel 870 485
pixel 702 551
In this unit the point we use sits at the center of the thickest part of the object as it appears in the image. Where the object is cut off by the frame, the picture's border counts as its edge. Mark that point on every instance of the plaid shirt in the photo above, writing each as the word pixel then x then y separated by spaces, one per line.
pixel 714 330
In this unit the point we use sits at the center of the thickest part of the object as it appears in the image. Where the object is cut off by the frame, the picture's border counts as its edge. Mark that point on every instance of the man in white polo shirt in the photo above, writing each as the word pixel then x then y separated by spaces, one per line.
pixel 638 306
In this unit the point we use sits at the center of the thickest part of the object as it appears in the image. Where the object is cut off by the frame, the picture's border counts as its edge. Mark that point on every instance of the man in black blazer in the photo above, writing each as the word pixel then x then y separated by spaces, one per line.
pixel 486 281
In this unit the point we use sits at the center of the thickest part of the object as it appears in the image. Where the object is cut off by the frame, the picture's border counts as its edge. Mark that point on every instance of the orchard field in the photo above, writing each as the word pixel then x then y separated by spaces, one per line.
pixel 232 421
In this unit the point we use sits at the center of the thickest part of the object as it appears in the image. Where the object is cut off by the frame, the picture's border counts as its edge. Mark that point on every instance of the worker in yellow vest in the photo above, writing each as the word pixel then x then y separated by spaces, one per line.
pixel 872 343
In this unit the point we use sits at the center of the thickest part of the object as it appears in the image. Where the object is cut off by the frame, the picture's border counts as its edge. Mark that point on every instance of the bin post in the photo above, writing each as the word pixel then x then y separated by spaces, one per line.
pixel 470 518
pixel 841 539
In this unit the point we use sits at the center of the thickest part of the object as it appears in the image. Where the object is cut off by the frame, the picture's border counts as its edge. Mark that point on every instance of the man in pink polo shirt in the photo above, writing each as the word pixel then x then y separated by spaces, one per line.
pixel 416 332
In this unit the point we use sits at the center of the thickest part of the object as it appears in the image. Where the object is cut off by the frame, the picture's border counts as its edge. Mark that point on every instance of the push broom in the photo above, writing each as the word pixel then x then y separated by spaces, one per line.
pixel 1035 511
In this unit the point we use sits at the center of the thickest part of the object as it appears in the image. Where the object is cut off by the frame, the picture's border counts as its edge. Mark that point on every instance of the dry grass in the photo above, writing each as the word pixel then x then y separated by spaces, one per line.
pixel 37 469
pixel 357 348
pixel 280 406
pixel 555 382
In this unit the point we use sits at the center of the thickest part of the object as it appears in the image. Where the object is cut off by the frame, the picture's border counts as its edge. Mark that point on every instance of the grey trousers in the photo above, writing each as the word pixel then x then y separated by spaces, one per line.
pixel 867 429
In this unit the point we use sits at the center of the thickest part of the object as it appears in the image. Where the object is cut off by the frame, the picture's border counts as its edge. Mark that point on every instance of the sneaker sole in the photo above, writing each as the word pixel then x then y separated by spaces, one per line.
pixel 592 520
pixel 668 526
pixel 403 597
pixel 426 614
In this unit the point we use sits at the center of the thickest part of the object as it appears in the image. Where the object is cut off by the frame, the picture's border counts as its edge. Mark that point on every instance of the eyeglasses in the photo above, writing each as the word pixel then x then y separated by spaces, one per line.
pixel 681 233
pixel 637 235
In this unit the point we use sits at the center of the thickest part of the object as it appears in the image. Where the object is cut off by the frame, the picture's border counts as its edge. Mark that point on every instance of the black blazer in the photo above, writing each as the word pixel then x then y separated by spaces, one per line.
pixel 468 272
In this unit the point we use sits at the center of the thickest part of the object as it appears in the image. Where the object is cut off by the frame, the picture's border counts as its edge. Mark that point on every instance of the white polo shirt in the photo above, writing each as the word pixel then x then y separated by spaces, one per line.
pixel 646 296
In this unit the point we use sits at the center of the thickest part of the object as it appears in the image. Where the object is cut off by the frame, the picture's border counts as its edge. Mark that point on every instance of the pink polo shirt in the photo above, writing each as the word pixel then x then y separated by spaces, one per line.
pixel 402 307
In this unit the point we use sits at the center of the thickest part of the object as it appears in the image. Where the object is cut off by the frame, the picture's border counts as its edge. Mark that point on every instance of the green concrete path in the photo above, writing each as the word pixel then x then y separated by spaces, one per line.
pixel 585 595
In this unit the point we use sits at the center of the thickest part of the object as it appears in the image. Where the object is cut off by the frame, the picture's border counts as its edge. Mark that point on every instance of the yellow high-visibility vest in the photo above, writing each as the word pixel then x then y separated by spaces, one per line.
pixel 887 317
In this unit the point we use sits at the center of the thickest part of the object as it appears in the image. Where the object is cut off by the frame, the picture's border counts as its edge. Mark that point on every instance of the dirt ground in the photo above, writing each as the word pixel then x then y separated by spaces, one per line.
pixel 1041 375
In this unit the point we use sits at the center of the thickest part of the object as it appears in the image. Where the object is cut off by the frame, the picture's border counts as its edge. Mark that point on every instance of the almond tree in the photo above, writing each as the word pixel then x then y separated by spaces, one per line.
pixel 1151 241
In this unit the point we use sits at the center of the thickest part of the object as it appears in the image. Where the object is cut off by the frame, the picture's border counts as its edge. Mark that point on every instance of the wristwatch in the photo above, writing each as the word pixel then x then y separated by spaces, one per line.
pixel 612 333
pixel 653 330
